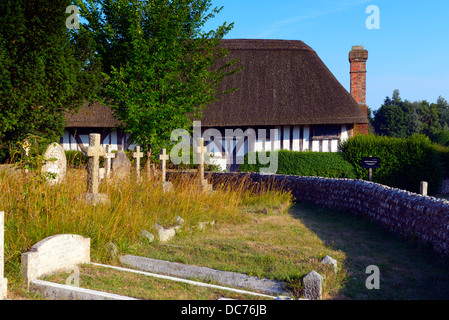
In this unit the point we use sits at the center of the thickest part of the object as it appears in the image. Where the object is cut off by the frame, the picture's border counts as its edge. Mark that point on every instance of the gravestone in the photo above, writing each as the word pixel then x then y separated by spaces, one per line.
pixel 108 161
pixel 146 236
pixel 94 152
pixel 203 184
pixel 137 155
pixel 54 254
pixel 164 235
pixel 330 261
pixel 55 165
pixel 121 166
pixel 312 285
pixel 150 169
pixel 166 185
pixel 3 280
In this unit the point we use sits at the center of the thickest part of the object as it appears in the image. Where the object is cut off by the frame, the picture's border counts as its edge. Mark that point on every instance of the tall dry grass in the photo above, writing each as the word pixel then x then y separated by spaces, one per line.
pixel 34 210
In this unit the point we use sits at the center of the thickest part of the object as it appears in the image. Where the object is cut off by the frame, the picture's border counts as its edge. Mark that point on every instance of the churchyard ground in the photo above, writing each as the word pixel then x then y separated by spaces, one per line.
pixel 253 234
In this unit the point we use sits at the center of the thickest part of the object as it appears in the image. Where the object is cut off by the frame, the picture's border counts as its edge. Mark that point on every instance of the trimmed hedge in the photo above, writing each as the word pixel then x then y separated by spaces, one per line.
pixel 308 163
pixel 77 159
pixel 405 162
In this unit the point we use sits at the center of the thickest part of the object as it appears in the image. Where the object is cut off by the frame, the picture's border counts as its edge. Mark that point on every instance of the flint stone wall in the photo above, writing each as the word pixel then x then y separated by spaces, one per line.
pixel 408 214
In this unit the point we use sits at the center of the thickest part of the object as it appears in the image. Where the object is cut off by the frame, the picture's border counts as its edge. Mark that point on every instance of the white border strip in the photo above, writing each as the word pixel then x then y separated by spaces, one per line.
pixel 196 283
pixel 58 291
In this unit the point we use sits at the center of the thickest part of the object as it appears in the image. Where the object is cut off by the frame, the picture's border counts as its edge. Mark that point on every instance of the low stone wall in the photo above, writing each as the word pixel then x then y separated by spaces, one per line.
pixel 408 214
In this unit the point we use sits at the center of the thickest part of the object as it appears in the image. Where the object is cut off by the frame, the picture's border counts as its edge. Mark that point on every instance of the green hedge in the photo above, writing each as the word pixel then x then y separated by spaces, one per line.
pixel 77 159
pixel 319 164
pixel 405 162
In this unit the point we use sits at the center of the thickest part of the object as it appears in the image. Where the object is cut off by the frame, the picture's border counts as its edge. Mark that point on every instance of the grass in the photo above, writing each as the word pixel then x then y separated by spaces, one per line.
pixel 145 287
pixel 34 211
pixel 286 246
pixel 254 234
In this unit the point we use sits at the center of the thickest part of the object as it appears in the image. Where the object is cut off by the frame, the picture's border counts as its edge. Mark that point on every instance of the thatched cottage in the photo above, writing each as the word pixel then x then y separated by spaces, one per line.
pixel 283 88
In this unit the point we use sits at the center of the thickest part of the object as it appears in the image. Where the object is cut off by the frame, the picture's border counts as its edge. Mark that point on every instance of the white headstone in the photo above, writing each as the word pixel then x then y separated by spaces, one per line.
pixel 108 160
pixel 137 155
pixel 55 165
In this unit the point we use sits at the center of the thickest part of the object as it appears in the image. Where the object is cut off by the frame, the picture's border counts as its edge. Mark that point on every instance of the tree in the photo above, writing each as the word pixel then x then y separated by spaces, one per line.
pixel 162 69
pixel 390 118
pixel 42 75
pixel 398 118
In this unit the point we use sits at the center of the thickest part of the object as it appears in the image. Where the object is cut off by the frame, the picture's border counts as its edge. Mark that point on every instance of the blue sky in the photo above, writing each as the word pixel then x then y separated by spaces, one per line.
pixel 409 52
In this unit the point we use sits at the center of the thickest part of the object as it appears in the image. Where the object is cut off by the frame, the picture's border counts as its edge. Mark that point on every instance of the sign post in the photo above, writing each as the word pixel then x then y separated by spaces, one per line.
pixel 370 163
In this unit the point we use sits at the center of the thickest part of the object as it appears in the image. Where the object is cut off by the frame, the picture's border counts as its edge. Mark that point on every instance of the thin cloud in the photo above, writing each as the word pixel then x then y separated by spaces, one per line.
pixel 332 7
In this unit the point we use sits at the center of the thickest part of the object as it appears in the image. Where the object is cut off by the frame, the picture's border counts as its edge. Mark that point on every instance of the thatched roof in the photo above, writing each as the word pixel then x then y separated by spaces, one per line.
pixel 283 82
pixel 93 115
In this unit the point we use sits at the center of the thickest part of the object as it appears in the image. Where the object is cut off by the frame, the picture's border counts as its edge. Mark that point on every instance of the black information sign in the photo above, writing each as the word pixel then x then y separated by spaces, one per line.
pixel 370 162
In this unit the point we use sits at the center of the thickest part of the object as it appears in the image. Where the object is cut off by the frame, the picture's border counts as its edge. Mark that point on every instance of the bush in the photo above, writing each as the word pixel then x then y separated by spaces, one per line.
pixel 405 162
pixel 441 137
pixel 319 164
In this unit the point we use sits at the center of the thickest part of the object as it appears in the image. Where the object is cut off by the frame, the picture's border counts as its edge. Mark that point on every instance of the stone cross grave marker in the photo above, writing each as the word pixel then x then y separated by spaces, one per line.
pixel 137 155
pixel 3 280
pixel 94 152
pixel 203 184
pixel 201 150
pixel 164 157
pixel 108 160
pixel 166 185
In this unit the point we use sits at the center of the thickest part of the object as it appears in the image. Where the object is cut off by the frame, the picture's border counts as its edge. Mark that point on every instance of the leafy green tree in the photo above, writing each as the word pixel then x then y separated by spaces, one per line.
pixel 162 69
pixel 390 120
pixel 398 118
pixel 41 75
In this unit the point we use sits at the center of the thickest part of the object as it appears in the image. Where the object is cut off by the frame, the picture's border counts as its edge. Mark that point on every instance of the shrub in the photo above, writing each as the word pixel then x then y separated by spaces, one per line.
pixel 321 164
pixel 441 137
pixel 405 162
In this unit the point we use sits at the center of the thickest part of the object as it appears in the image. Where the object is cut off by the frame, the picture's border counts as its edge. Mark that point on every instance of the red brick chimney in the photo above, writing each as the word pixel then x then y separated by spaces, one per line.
pixel 357 58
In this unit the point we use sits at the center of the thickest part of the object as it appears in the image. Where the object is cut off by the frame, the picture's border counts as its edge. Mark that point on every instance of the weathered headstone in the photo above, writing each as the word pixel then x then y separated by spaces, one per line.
pixel 121 166
pixel 146 236
pixel 331 261
pixel 166 185
pixel 204 186
pixel 178 223
pixel 108 161
pixel 313 286
pixel 94 152
pixel 164 234
pixel 3 280
pixel 150 168
pixel 55 165
pixel 54 254
pixel 137 155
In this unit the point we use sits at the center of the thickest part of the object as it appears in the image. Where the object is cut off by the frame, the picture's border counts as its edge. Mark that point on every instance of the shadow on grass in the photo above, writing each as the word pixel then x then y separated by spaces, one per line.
pixel 408 270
